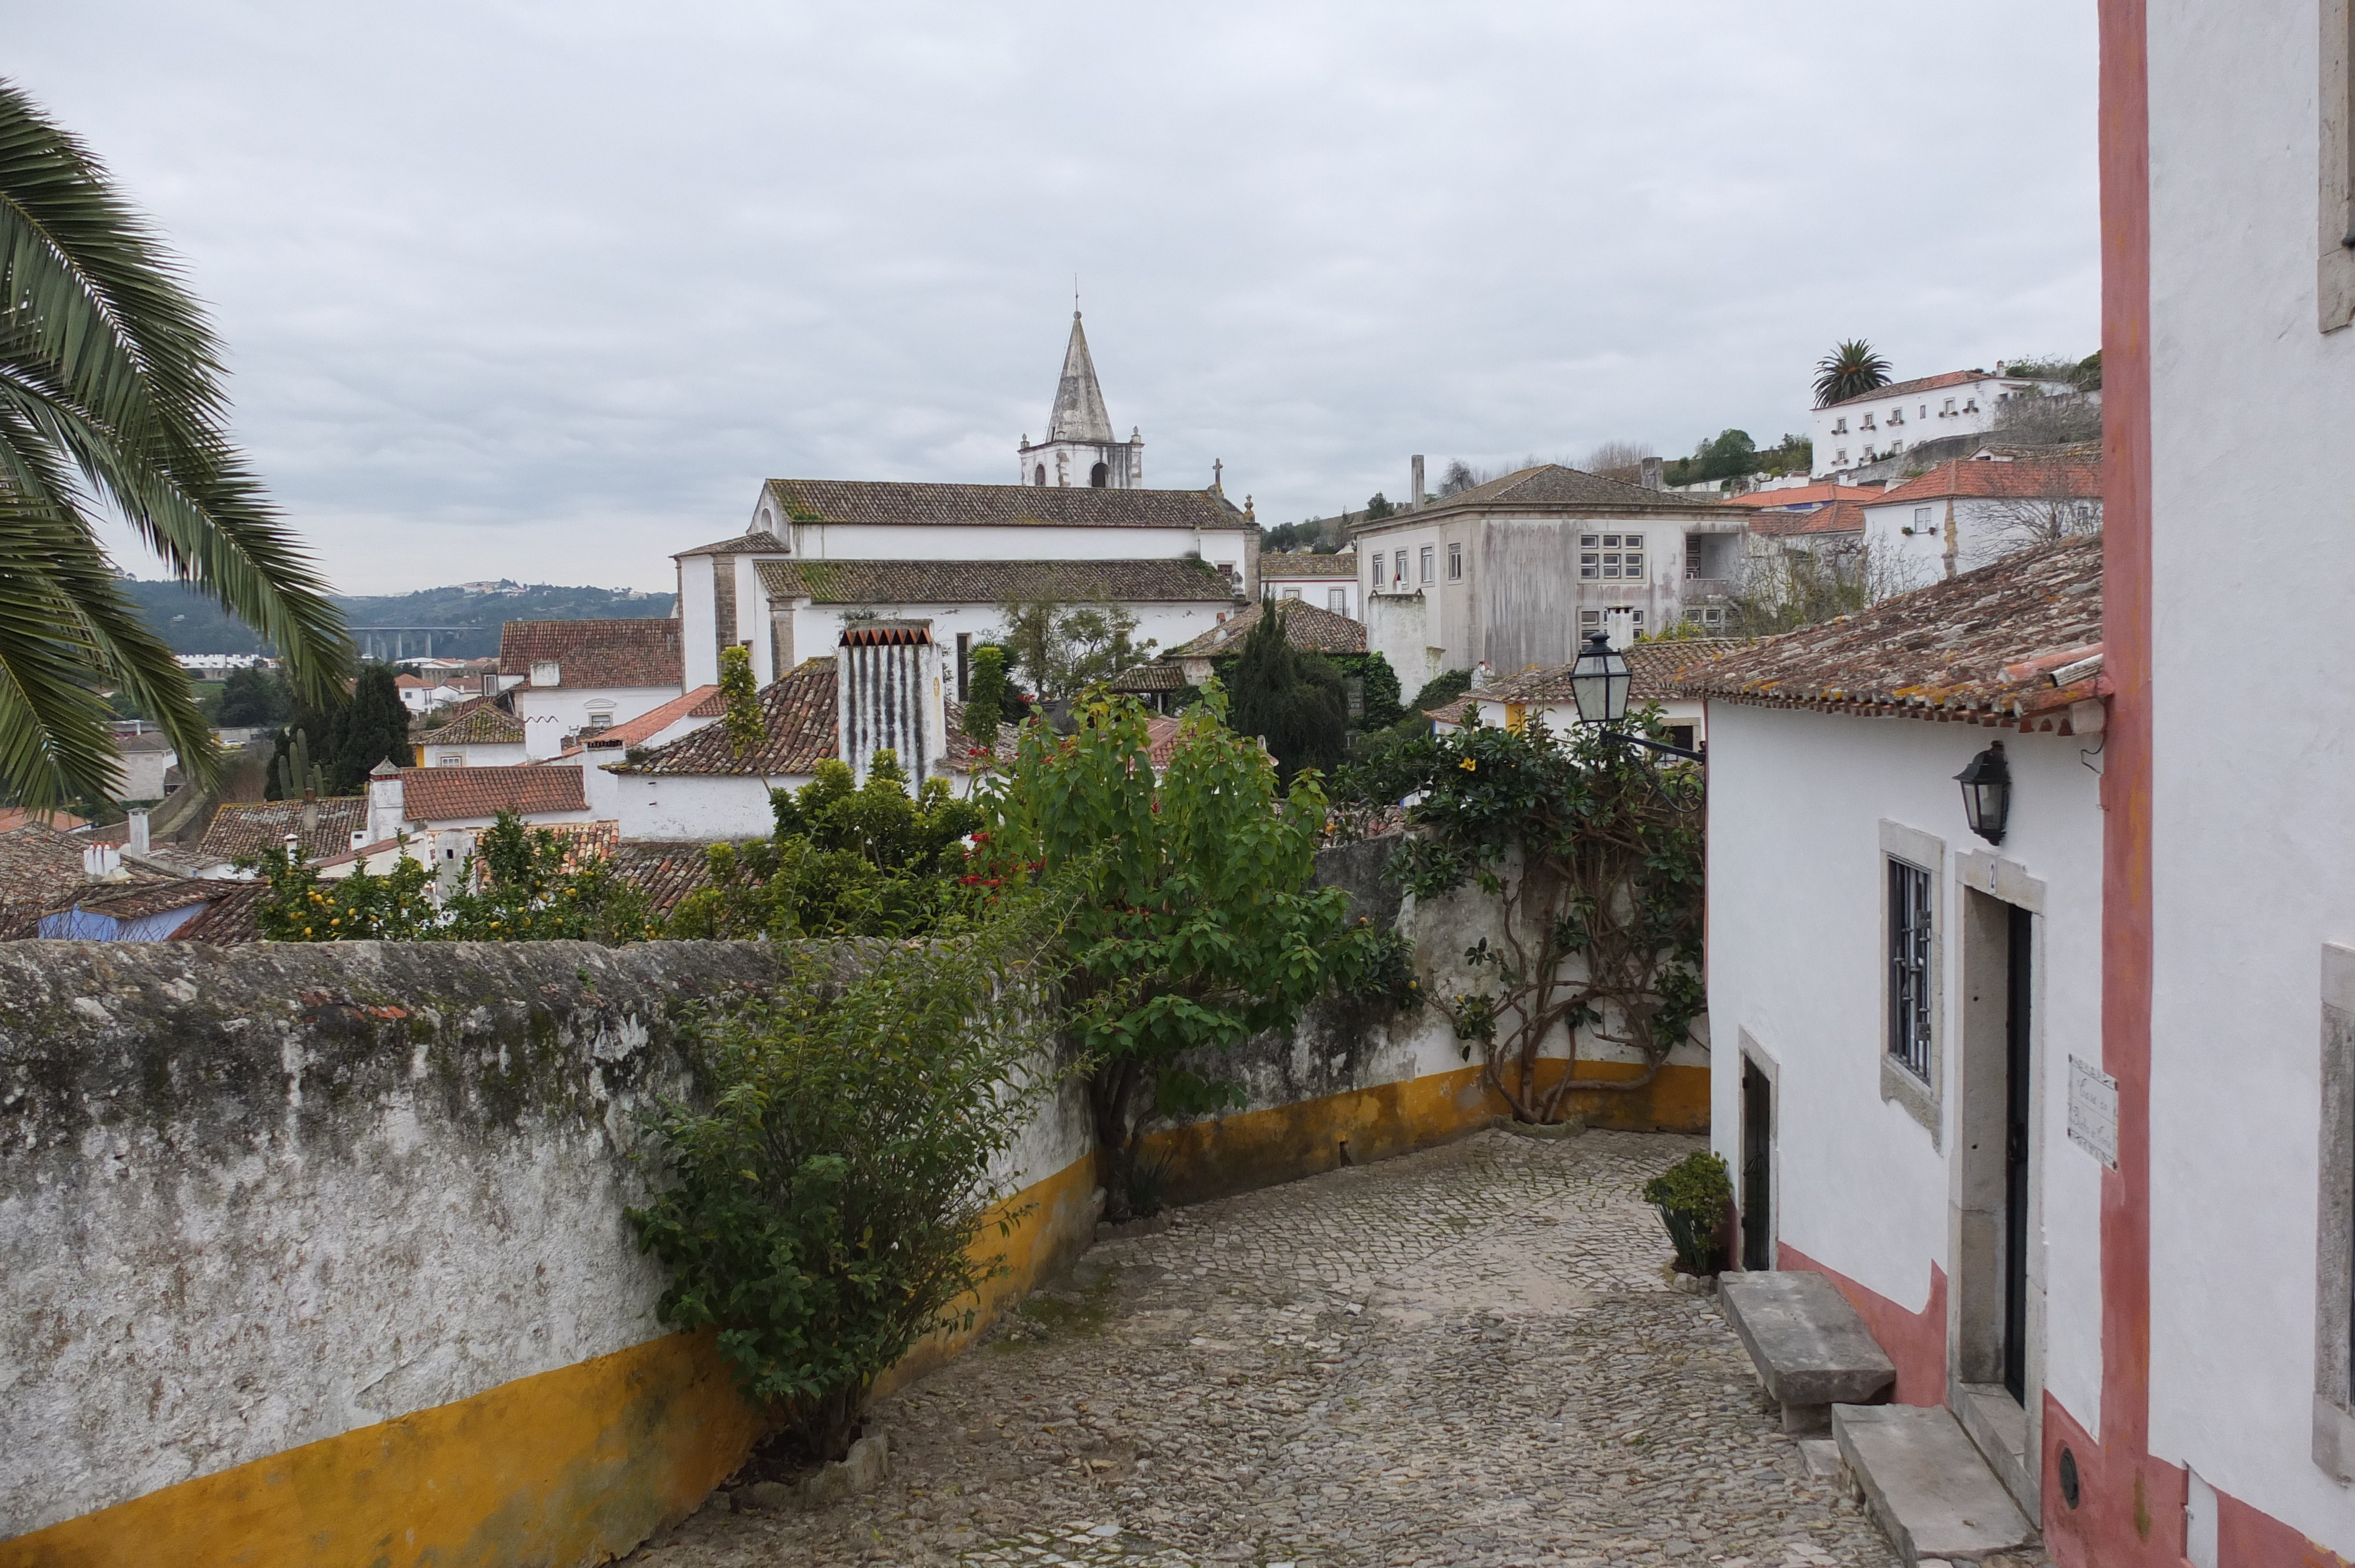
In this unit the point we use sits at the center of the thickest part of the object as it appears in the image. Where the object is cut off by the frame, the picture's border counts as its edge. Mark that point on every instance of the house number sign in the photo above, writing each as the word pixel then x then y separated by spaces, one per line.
pixel 2093 1111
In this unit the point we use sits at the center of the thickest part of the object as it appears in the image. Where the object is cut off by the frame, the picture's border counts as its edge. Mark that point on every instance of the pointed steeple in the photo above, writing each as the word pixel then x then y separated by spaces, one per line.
pixel 1079 413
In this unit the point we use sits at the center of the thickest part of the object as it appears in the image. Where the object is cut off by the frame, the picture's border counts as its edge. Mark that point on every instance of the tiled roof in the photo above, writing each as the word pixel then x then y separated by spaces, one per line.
pixel 665 872
pixel 594 652
pixel 996 582
pixel 1652 665
pixel 1302 564
pixel 455 794
pixel 1910 388
pixel 248 827
pixel 1839 517
pixel 1550 487
pixel 798 714
pixel 704 702
pixel 140 897
pixel 479 721
pixel 757 542
pixel 1803 495
pixel 15 816
pixel 2076 478
pixel 229 919
pixel 1980 647
pixel 1057 506
pixel 1305 627
pixel 1154 677
pixel 40 868
pixel 964 757
pixel 1161 733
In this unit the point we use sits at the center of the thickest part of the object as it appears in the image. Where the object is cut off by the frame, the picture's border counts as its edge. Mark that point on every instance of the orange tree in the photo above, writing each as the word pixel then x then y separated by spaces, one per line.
pixel 1197 920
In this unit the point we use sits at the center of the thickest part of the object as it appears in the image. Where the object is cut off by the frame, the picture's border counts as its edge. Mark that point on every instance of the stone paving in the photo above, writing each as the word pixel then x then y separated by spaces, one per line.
pixel 1472 1355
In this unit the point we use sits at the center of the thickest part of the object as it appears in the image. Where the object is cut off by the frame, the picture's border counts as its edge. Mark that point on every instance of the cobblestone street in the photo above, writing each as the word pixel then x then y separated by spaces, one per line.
pixel 1465 1356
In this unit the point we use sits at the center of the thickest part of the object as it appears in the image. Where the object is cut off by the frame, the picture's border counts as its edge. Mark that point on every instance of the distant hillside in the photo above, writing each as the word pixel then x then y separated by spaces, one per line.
pixel 192 624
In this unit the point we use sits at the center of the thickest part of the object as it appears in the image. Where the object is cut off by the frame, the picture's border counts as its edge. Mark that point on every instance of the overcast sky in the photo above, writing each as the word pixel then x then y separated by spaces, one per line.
pixel 544 291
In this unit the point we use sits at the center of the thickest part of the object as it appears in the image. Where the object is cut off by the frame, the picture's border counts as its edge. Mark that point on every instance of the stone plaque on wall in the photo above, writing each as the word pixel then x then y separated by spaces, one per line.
pixel 2093 1111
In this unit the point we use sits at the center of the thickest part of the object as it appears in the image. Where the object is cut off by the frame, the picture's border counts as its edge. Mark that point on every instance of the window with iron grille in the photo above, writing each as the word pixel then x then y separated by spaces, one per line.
pixel 1909 967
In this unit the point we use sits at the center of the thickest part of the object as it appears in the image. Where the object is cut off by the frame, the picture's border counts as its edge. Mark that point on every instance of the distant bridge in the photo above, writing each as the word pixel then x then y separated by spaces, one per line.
pixel 374 640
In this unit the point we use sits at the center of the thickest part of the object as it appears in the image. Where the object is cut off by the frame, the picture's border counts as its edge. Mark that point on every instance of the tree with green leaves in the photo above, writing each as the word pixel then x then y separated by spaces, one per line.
pixel 1379 703
pixel 1851 370
pixel 832 1205
pixel 987 696
pixel 1377 506
pixel 111 395
pixel 373 728
pixel 1195 921
pixel 1060 650
pixel 1592 853
pixel 1291 699
pixel 255 697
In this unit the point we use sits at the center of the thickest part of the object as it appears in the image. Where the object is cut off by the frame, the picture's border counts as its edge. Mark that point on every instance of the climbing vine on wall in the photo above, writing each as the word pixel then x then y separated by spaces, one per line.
pixel 1594 850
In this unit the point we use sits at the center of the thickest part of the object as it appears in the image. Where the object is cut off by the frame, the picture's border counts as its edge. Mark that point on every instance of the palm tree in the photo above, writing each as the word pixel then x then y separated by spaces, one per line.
pixel 110 397
pixel 1851 370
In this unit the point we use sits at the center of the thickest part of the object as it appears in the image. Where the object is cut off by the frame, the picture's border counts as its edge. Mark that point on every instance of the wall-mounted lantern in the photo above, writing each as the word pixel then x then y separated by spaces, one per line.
pixel 1986 793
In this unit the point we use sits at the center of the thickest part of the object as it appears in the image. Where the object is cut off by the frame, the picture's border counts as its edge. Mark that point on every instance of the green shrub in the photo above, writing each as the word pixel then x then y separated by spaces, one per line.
pixel 825 1205
pixel 1694 1197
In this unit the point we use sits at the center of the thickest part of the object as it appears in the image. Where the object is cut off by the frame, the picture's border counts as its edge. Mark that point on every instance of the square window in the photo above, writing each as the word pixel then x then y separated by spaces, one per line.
pixel 1590 541
pixel 1292 593
pixel 1590 565
pixel 1610 565
pixel 1633 541
pixel 1590 619
pixel 1634 566
pixel 453 759
pixel 1921 517
pixel 1610 541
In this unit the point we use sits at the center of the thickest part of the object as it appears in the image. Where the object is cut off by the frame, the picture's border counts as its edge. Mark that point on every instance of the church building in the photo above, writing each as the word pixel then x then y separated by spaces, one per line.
pixel 819 555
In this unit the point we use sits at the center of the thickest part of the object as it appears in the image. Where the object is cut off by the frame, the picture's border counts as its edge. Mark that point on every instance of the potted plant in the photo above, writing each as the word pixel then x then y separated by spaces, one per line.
pixel 1695 1198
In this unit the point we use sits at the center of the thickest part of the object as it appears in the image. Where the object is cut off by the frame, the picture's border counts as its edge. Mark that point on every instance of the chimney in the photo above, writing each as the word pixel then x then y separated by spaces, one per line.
pixel 1653 477
pixel 1620 624
pixel 1415 483
pixel 386 808
pixel 138 843
pixel 888 697
pixel 102 862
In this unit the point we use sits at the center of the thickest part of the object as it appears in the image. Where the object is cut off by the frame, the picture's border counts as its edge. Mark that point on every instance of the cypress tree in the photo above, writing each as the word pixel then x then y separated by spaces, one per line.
pixel 985 695
pixel 1294 700
pixel 374 728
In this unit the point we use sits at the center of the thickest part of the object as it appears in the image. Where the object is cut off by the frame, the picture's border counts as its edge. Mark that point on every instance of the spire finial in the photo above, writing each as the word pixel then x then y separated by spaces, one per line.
pixel 1075 296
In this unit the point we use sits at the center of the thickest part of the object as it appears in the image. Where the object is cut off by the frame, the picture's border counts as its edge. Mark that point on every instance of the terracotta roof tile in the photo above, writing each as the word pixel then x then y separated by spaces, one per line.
pixel 798 714
pixel 477 721
pixel 1302 564
pixel 457 794
pixel 704 702
pixel 644 653
pixel 1804 496
pixel 2078 476
pixel 1305 627
pixel 1653 667
pixel 665 872
pixel 40 868
pixel 996 582
pixel 1154 677
pixel 1839 517
pixel 1980 646
pixel 241 828
pixel 847 501
pixel 756 542
pixel 1910 388
pixel 229 919
pixel 1550 487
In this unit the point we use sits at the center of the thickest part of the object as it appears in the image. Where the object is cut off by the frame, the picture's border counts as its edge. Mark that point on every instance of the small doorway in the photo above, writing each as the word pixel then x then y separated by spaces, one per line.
pixel 2020 947
pixel 1757 1168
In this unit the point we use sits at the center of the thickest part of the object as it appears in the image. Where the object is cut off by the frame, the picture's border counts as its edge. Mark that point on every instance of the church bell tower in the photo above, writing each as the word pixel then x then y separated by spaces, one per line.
pixel 1080 447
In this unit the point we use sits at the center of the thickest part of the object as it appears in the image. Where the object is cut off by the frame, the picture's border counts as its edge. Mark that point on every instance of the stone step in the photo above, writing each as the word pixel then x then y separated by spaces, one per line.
pixel 1811 1350
pixel 1927 1485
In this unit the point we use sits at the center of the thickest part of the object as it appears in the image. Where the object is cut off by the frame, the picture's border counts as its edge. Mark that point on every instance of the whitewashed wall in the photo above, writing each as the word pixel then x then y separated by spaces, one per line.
pixel 2253 838
pixel 549 713
pixel 1796 896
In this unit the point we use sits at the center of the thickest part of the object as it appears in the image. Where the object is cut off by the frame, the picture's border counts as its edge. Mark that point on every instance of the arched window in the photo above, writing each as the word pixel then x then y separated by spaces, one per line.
pixel 1040 479
pixel 1098 476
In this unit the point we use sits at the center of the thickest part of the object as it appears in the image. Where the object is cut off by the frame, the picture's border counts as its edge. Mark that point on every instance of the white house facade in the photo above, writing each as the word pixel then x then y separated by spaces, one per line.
pixel 1327 582
pixel 1903 1004
pixel 1515 573
pixel 1966 513
pixel 1901 415
pixel 565 678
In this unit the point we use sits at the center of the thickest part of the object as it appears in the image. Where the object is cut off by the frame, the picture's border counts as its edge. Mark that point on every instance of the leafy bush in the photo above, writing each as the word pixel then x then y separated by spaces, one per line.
pixel 826 1205
pixel 1694 1197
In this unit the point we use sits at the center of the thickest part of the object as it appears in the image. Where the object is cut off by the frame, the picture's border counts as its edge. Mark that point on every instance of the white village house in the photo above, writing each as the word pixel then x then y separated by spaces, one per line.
pixel 1327 582
pixel 1965 513
pixel 1518 571
pixel 1894 419
pixel 568 677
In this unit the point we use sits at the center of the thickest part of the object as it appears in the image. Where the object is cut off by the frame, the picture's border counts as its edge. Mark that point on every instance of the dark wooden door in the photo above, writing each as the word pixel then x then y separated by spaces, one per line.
pixel 1757 1168
pixel 2018 1075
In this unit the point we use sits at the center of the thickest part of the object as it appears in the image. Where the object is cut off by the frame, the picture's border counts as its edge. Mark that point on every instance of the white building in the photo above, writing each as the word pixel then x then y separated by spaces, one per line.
pixel 1080 447
pixel 1967 512
pixel 1898 1002
pixel 1327 582
pixel 1516 572
pixel 479 734
pixel 568 677
pixel 1902 415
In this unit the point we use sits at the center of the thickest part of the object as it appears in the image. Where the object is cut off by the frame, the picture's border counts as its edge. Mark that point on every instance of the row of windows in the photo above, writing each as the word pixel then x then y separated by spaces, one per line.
pixel 1897 415
pixel 1425 564
pixel 1610 555
pixel 1335 599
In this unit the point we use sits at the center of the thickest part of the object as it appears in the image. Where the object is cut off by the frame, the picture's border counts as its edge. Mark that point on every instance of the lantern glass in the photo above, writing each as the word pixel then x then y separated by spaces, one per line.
pixel 1986 793
pixel 1599 682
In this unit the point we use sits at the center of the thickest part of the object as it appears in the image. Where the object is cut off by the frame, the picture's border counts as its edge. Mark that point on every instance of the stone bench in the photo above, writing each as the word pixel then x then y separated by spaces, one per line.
pixel 1811 1350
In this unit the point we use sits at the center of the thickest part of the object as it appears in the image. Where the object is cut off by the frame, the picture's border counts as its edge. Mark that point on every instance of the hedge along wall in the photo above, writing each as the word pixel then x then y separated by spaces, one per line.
pixel 317 1253
pixel 1355 1082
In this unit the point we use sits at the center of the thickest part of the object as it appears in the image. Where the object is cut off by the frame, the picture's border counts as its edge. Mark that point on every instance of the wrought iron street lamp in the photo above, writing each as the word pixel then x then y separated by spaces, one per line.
pixel 1986 793
pixel 1600 682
